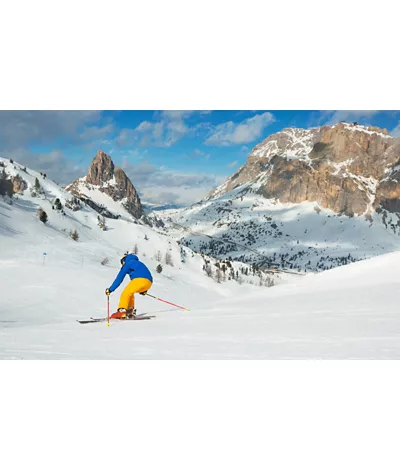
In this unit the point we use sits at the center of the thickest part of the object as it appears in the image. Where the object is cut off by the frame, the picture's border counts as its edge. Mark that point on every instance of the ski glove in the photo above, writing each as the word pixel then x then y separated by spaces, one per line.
pixel 108 291
pixel 143 293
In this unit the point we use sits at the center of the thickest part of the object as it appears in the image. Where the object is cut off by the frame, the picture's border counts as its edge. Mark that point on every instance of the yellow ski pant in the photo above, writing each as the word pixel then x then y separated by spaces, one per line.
pixel 127 299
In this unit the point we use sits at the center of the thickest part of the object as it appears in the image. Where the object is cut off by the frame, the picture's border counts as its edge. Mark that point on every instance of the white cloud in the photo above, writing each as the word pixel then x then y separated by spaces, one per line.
pixel 232 164
pixel 55 164
pixel 333 117
pixel 197 154
pixel 166 130
pixel 231 133
pixel 396 131
pixel 96 132
pixel 162 186
pixel 18 128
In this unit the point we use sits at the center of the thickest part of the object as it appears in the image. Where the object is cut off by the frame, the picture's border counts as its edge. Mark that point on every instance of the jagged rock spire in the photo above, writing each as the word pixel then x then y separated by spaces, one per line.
pixel 110 180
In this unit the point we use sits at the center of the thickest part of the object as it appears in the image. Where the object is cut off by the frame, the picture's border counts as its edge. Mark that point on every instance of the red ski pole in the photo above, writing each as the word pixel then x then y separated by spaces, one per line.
pixel 108 310
pixel 166 301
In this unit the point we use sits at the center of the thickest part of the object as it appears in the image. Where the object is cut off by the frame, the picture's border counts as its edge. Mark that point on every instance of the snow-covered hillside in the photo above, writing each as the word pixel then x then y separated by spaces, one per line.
pixel 245 226
pixel 47 275
pixel 348 312
pixel 22 233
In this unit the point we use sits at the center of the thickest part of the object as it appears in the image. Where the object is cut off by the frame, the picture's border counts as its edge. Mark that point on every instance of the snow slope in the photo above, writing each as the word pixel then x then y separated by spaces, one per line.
pixel 347 312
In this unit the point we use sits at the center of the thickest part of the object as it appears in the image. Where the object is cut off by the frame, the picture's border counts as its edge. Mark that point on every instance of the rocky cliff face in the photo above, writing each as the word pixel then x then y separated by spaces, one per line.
pixel 19 184
pixel 348 168
pixel 101 170
pixel 112 181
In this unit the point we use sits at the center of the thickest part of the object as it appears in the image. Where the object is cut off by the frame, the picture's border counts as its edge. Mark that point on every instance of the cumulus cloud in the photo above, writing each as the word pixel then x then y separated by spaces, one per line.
pixel 55 164
pixel 18 128
pixel 231 133
pixel 162 186
pixel 333 117
pixel 166 130
pixel 98 133
pixel 197 154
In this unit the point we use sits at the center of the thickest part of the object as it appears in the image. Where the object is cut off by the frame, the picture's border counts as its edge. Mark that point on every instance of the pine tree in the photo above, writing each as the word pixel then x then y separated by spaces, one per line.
pixel 74 235
pixel 6 185
pixel 135 249
pixel 37 185
pixel 57 204
pixel 42 215
pixel 159 268
pixel 168 259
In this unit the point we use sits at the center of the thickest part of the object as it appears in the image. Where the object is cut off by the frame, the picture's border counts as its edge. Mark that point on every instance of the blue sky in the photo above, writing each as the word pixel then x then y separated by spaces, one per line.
pixel 170 156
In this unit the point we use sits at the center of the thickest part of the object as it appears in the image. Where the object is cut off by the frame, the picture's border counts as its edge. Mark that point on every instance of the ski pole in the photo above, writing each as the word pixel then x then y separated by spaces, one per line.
pixel 166 301
pixel 108 310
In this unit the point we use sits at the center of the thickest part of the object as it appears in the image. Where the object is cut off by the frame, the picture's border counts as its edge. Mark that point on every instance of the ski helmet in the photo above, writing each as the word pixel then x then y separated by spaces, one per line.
pixel 123 258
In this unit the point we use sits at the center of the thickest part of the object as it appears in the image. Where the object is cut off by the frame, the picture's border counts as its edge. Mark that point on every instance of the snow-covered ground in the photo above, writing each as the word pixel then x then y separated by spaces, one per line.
pixel 347 312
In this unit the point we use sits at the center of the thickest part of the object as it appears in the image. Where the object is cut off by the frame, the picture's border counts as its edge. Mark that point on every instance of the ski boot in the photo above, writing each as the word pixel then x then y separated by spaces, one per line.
pixel 120 314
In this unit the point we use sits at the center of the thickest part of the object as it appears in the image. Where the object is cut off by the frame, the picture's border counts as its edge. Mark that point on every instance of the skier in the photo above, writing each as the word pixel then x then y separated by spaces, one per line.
pixel 141 281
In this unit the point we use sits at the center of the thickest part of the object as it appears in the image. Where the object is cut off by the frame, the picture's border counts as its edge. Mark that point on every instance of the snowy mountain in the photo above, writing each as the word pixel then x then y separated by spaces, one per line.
pixel 107 189
pixel 305 200
pixel 347 168
pixel 51 278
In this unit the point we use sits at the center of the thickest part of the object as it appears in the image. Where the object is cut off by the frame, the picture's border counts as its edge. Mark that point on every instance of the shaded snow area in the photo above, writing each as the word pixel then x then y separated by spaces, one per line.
pixel 347 312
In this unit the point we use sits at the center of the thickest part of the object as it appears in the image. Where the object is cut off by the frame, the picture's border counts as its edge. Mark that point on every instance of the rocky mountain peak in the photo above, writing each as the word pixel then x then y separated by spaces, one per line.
pixel 101 169
pixel 108 179
pixel 348 168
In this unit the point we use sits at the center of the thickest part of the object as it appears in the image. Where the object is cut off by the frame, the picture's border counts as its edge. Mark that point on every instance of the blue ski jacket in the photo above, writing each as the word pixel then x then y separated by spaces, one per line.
pixel 134 268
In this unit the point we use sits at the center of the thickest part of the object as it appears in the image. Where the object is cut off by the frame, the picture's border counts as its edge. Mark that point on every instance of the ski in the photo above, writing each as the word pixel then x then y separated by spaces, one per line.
pixel 141 316
pixel 91 320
